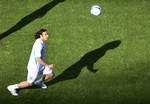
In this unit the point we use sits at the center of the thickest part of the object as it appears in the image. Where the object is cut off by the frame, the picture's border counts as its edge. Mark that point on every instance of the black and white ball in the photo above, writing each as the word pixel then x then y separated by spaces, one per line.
pixel 95 10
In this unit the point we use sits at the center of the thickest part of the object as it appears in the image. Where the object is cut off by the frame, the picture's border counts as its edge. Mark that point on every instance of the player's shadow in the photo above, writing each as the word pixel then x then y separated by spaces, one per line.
pixel 31 17
pixel 88 60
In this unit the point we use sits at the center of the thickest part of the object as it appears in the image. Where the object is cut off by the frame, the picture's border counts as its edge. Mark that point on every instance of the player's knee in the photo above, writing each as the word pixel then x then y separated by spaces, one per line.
pixel 50 75
pixel 30 84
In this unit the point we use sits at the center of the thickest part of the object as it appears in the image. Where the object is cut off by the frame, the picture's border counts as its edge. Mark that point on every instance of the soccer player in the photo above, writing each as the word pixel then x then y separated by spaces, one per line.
pixel 36 65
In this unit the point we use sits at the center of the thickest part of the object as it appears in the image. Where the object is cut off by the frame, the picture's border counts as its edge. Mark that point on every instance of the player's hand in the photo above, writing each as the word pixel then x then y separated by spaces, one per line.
pixel 52 66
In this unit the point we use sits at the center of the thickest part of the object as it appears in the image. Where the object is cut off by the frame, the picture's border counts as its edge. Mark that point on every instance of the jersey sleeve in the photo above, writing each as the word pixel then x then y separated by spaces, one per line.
pixel 37 51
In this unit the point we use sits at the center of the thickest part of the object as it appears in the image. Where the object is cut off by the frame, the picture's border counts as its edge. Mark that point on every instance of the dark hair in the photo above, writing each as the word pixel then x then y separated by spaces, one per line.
pixel 38 33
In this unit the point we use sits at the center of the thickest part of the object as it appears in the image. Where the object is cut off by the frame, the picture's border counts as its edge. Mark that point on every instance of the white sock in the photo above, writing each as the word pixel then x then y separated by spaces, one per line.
pixel 38 81
pixel 15 86
pixel 41 80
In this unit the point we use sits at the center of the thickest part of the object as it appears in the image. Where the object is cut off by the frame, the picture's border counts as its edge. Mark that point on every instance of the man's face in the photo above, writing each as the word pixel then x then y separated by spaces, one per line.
pixel 44 36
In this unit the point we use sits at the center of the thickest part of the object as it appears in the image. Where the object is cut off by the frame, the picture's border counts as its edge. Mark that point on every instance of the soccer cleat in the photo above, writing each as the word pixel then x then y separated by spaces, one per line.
pixel 42 85
pixel 12 90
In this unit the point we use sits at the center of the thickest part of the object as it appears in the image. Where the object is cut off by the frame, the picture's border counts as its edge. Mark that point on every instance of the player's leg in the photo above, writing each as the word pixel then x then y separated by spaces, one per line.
pixel 24 84
pixel 13 88
pixel 47 74
pixel 31 78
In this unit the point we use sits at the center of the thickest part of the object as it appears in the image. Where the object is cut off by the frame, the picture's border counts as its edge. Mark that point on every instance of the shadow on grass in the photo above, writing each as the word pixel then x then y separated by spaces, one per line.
pixel 31 17
pixel 87 60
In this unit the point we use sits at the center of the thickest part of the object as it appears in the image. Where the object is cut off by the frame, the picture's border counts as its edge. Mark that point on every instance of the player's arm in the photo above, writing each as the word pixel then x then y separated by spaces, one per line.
pixel 43 63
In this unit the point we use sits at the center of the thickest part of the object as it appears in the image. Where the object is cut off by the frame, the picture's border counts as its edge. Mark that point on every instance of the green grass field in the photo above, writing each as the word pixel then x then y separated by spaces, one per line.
pixel 115 44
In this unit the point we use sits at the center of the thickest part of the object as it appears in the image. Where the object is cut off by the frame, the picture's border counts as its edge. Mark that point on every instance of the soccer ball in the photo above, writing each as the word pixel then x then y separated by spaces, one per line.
pixel 95 10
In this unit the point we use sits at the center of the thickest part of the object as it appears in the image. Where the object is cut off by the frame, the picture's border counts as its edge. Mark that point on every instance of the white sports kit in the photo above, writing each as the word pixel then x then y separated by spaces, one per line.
pixel 34 67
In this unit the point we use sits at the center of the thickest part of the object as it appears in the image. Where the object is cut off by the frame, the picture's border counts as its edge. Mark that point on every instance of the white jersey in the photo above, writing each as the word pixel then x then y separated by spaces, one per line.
pixel 38 51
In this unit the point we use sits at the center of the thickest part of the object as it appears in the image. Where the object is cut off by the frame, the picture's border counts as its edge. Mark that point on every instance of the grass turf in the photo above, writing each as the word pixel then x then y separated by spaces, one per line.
pixel 77 40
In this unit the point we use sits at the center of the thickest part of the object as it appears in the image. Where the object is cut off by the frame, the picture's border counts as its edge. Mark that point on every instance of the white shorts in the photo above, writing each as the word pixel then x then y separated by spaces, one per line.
pixel 33 74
